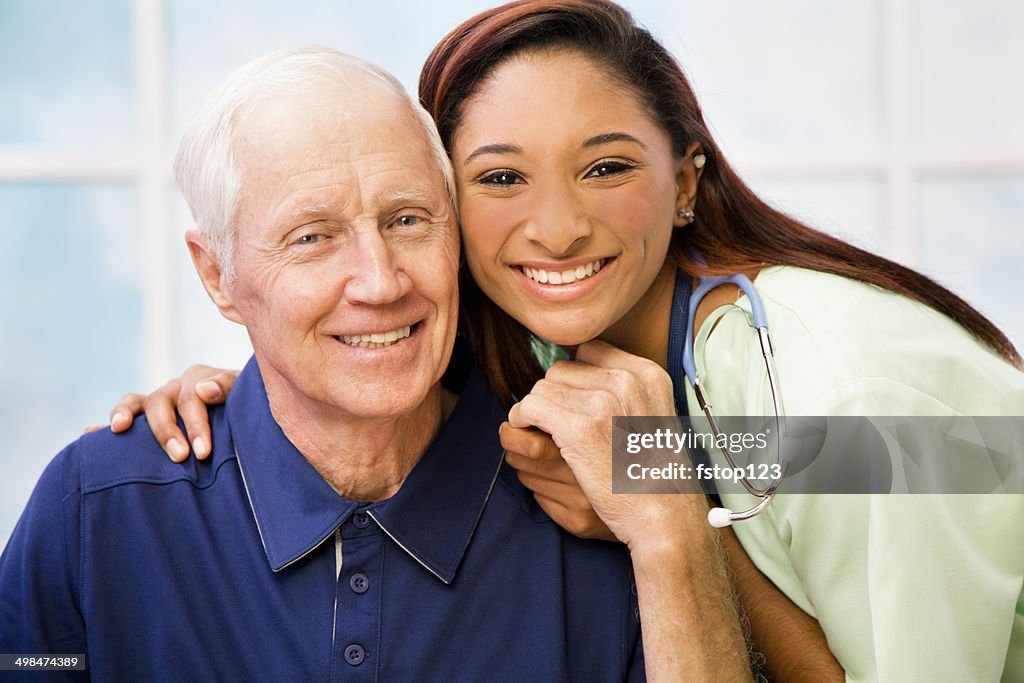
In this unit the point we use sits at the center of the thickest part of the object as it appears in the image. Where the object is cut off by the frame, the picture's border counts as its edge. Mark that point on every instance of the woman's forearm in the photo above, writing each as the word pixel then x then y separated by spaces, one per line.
pixel 792 642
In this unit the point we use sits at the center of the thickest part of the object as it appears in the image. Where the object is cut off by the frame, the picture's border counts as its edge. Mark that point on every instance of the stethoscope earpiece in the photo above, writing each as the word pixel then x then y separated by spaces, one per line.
pixel 720 517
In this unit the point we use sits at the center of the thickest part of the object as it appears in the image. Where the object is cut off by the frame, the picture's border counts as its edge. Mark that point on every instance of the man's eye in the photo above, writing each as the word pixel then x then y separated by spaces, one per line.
pixel 408 221
pixel 503 177
pixel 310 239
pixel 607 168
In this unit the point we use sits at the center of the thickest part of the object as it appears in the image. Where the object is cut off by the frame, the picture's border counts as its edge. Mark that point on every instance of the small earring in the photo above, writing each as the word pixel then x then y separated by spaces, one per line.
pixel 699 160
pixel 686 215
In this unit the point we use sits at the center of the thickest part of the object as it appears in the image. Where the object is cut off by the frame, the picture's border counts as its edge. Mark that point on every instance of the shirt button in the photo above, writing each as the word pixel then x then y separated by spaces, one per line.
pixel 355 654
pixel 361 520
pixel 359 583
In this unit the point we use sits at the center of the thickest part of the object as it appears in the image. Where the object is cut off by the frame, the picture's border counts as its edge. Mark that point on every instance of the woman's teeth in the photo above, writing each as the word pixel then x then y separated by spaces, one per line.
pixel 376 340
pixel 563 277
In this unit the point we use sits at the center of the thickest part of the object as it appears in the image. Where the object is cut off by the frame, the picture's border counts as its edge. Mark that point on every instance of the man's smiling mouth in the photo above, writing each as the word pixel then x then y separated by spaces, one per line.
pixel 376 340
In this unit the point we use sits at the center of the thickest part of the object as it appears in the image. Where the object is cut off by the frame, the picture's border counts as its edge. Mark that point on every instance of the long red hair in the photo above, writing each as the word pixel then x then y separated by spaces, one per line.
pixel 734 230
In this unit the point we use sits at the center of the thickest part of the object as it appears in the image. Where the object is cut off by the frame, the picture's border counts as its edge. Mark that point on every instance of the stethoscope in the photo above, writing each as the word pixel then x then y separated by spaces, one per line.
pixel 720 516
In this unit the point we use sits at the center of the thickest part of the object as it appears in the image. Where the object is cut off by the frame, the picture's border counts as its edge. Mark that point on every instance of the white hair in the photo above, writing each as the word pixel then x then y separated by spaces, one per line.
pixel 205 166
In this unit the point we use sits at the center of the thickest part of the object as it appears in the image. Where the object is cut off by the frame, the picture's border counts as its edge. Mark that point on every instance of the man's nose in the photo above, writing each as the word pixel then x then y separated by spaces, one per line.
pixel 376 277
pixel 559 222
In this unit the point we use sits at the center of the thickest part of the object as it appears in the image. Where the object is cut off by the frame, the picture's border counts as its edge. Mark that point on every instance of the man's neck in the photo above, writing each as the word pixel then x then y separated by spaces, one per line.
pixel 364 460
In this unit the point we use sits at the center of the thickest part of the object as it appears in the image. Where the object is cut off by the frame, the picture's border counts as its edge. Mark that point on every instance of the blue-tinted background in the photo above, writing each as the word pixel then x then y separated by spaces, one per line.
pixel 893 123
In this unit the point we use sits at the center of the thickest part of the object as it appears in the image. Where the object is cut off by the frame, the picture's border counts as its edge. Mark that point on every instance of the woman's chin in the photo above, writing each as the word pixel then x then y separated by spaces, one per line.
pixel 565 328
pixel 567 337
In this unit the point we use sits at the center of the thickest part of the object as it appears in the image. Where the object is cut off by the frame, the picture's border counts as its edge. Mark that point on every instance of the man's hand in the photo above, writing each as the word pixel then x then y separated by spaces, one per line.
pixel 574 404
pixel 543 470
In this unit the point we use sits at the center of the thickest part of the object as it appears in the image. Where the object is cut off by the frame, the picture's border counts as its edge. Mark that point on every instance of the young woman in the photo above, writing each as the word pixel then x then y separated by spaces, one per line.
pixel 591 194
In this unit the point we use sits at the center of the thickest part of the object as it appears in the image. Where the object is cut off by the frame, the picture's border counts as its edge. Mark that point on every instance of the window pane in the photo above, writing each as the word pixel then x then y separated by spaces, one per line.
pixel 971 63
pixel 792 77
pixel 70 315
pixel 66 72
pixel 850 209
pixel 209 40
pixel 202 334
pixel 970 239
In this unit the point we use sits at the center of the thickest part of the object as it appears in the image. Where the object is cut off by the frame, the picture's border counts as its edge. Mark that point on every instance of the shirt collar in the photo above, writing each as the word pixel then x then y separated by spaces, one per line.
pixel 432 517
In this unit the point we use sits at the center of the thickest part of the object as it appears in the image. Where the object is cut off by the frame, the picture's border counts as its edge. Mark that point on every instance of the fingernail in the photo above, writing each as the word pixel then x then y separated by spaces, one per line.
pixel 118 420
pixel 209 389
pixel 177 449
pixel 199 446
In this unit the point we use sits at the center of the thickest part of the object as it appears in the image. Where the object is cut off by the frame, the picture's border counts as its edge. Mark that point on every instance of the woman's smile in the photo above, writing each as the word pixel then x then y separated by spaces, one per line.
pixel 560 282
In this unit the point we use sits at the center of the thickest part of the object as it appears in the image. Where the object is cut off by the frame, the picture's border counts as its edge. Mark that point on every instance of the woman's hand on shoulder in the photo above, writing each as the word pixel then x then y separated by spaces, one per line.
pixel 189 396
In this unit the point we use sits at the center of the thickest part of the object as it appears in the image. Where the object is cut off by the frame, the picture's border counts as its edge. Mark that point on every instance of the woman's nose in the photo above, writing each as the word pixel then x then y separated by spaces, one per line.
pixel 558 223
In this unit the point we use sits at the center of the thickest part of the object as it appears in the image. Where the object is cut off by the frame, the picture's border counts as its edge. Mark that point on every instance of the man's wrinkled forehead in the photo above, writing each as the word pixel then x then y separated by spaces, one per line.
pixel 353 153
pixel 361 113
pixel 324 100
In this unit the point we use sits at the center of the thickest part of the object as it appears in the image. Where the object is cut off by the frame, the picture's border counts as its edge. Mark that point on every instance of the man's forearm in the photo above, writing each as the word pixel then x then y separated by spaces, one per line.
pixel 690 622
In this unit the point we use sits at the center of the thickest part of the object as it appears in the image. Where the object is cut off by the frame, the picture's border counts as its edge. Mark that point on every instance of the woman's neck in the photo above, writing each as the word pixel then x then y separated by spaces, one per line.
pixel 643 331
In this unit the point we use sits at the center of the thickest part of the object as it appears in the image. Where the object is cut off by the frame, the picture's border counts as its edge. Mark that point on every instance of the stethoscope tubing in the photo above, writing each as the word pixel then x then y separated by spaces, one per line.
pixel 719 517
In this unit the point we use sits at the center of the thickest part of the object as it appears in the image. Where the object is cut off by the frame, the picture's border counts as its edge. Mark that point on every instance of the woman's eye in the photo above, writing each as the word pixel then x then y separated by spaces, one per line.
pixel 503 177
pixel 607 168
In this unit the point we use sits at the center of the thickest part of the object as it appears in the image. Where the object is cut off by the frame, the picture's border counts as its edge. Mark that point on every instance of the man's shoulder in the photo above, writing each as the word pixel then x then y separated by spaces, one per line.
pixel 105 460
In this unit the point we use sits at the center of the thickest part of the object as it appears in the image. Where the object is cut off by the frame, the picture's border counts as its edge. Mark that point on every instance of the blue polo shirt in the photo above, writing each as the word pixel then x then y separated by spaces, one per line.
pixel 249 566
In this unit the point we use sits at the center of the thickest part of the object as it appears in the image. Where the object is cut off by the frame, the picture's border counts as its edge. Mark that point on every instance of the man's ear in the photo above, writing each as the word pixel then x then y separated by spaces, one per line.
pixel 688 173
pixel 211 274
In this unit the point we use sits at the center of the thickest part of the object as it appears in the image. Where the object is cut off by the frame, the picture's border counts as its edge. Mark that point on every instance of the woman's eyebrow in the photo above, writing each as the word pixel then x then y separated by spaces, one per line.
pixel 499 148
pixel 604 138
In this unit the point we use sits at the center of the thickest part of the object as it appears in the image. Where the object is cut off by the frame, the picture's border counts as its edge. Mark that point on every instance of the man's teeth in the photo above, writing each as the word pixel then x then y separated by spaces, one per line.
pixel 563 277
pixel 377 339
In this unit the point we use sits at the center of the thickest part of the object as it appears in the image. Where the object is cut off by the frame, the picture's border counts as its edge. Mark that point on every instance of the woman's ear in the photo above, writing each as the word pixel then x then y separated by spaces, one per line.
pixel 688 173
pixel 212 275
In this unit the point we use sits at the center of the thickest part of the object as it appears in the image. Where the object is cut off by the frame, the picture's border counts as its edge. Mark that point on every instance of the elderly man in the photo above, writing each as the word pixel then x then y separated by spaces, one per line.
pixel 345 526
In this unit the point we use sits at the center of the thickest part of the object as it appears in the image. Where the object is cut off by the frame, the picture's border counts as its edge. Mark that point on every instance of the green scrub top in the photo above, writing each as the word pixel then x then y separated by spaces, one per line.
pixel 906 587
